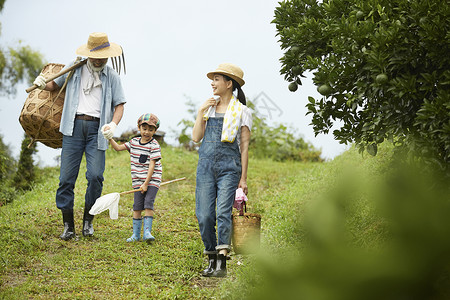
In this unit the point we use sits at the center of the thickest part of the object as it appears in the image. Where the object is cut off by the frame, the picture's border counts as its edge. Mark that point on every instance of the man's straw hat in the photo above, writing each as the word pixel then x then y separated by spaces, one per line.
pixel 231 71
pixel 98 46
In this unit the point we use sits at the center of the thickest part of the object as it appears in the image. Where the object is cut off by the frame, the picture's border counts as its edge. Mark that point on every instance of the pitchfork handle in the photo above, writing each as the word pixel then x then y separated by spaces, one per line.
pixel 33 87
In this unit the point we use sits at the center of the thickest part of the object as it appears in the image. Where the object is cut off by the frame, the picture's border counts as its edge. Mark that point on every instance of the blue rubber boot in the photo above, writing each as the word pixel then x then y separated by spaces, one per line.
pixel 137 224
pixel 148 237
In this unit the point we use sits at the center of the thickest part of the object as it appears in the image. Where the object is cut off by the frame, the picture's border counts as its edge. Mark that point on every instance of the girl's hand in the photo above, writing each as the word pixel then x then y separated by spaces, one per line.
pixel 144 188
pixel 208 103
pixel 243 185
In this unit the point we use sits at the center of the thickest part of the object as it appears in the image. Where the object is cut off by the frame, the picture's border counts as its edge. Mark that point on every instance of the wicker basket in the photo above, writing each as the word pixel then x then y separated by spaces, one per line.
pixel 41 113
pixel 246 233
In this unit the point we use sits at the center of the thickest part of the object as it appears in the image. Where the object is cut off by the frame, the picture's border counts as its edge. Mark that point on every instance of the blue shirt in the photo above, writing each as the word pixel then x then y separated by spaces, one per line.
pixel 112 95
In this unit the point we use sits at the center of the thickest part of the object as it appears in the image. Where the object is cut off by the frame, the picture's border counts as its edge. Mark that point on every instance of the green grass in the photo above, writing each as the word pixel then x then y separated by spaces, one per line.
pixel 36 264
pixel 312 213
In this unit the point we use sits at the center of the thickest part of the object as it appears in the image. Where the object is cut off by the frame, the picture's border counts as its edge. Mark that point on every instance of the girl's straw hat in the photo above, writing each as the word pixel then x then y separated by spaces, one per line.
pixel 98 46
pixel 231 71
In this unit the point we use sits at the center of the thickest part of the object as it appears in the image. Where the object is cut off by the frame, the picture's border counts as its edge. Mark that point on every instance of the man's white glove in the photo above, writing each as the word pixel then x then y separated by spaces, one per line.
pixel 40 81
pixel 108 130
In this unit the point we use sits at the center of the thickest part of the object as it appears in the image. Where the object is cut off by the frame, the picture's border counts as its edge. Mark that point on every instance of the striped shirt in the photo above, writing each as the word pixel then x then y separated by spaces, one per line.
pixel 140 156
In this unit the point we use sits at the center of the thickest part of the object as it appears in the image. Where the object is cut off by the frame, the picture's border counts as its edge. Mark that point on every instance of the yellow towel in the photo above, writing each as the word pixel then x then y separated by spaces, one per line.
pixel 231 120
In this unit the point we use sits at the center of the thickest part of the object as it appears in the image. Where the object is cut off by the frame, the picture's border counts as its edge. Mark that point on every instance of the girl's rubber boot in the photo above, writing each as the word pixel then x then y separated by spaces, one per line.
pixel 69 227
pixel 137 224
pixel 148 237
pixel 208 272
pixel 221 266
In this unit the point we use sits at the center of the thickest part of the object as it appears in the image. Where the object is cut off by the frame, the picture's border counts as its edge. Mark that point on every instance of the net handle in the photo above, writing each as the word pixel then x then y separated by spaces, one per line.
pixel 162 183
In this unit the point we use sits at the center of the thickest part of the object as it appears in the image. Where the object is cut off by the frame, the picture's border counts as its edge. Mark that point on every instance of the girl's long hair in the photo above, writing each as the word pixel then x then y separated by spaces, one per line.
pixel 236 86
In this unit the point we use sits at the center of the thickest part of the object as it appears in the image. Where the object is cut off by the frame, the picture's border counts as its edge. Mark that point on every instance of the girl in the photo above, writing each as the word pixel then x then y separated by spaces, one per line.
pixel 224 125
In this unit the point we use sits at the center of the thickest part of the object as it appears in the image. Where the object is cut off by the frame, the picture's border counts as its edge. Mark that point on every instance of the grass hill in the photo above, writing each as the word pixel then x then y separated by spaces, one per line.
pixel 324 236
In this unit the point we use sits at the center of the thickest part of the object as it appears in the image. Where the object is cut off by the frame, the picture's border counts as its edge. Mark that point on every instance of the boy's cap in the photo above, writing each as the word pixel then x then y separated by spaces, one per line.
pixel 149 119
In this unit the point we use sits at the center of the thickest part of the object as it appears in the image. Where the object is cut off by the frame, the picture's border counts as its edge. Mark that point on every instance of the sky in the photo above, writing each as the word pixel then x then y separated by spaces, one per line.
pixel 169 47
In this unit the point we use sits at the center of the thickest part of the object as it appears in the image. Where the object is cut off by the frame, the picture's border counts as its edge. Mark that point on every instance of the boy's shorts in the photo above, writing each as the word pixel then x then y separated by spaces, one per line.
pixel 146 200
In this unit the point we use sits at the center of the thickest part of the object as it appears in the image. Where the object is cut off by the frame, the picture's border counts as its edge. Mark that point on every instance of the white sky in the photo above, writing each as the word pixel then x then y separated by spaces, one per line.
pixel 169 47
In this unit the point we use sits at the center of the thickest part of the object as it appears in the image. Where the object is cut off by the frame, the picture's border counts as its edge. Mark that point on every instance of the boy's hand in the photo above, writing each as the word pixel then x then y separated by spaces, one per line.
pixel 144 188
pixel 108 130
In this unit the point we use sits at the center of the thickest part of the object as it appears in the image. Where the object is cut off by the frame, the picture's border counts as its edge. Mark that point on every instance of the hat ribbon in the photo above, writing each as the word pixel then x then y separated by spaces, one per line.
pixel 104 45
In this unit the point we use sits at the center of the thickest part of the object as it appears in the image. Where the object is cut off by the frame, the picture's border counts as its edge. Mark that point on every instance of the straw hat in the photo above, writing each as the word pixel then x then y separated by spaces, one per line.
pixel 98 46
pixel 231 71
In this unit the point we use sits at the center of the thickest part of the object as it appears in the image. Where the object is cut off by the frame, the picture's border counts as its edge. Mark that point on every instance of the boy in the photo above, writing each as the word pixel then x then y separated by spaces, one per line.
pixel 146 173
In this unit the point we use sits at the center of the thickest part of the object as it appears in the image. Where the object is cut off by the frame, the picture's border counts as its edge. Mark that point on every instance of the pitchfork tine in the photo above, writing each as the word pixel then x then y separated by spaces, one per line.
pixel 123 57
pixel 120 64
pixel 117 65
pixel 112 62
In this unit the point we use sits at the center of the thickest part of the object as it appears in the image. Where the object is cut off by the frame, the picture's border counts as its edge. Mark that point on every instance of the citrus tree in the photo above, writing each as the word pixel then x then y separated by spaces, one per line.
pixel 381 67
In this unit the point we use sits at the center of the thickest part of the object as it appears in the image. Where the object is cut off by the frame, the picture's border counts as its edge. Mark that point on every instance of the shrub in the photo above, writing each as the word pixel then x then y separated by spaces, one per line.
pixel 24 177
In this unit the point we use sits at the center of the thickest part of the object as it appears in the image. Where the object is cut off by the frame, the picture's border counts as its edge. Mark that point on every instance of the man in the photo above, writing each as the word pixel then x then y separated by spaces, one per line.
pixel 94 99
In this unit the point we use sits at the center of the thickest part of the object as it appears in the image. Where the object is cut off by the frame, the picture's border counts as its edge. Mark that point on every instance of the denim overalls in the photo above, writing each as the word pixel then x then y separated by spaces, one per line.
pixel 218 174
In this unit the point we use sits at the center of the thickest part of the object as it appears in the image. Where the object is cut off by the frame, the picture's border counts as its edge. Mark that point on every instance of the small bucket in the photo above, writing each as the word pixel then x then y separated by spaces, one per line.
pixel 246 233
